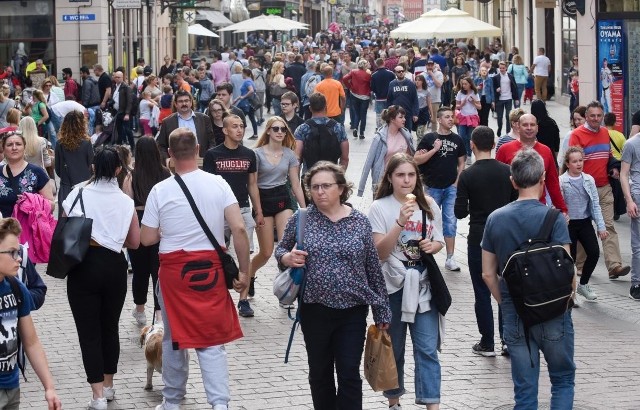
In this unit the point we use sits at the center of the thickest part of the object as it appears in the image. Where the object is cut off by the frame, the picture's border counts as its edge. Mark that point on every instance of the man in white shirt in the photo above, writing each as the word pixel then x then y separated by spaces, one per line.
pixel 197 310
pixel 606 80
pixel 541 68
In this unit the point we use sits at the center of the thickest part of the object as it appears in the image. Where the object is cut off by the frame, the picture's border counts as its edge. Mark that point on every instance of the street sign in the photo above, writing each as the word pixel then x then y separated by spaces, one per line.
pixel 189 15
pixel 127 4
pixel 78 17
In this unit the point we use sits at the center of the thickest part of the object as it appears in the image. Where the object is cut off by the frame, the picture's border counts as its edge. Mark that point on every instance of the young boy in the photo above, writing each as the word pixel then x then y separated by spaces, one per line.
pixel 16 316
pixel 617 140
pixel 289 104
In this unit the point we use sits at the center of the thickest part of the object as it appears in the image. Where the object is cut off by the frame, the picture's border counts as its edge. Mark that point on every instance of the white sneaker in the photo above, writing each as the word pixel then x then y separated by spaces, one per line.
pixel 140 317
pixel 167 406
pixel 98 404
pixel 451 265
pixel 586 292
pixel 220 407
pixel 109 393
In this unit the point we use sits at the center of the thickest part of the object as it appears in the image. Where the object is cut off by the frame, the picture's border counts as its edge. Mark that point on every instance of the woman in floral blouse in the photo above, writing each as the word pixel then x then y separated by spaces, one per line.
pixel 343 277
pixel 19 176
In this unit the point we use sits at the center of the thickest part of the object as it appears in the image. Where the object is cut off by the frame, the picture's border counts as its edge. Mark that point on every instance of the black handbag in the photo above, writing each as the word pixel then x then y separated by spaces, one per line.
pixel 229 266
pixel 439 291
pixel 70 241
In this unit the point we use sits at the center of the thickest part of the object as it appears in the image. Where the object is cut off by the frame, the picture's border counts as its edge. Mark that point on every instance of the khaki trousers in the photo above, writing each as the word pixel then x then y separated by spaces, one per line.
pixel 540 85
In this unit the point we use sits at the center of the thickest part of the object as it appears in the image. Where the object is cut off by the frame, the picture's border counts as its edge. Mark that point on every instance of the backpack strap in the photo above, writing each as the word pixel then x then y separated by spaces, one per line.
pixel 300 228
pixel 614 145
pixel 17 293
pixel 547 225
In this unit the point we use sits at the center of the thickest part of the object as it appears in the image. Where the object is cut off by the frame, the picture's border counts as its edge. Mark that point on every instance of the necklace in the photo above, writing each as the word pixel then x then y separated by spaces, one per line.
pixel 274 154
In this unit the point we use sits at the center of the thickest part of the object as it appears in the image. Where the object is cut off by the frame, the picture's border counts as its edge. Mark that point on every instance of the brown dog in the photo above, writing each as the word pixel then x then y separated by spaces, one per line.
pixel 151 340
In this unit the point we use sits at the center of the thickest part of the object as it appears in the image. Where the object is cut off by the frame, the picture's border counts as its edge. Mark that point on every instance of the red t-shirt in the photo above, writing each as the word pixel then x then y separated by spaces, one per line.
pixel 508 151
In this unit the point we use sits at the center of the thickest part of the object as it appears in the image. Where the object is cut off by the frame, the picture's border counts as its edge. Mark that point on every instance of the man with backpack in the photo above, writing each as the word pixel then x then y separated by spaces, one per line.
pixel 307 86
pixel 71 87
pixel 321 138
pixel 553 335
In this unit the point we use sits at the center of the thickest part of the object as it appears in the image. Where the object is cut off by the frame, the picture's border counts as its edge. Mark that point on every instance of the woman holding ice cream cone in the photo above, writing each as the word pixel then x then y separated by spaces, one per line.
pixel 397 216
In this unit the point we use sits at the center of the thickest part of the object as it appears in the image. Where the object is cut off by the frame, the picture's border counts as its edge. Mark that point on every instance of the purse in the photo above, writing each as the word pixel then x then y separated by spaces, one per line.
pixel 229 266
pixel 70 241
pixel 254 101
pixel 287 283
pixel 439 291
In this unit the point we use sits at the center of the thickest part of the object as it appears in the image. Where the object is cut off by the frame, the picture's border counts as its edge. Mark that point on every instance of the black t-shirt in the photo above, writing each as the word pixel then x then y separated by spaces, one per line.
pixel 294 123
pixel 234 165
pixel 104 82
pixel 635 120
pixel 441 170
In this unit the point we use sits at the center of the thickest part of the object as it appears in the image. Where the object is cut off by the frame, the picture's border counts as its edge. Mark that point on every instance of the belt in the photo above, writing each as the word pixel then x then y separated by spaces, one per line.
pixel 412 264
pixel 94 243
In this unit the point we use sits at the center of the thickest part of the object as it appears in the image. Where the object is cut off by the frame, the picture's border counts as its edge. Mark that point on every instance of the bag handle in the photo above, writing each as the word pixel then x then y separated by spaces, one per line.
pixel 547 225
pixel 79 196
pixel 199 217
pixel 424 224
pixel 300 228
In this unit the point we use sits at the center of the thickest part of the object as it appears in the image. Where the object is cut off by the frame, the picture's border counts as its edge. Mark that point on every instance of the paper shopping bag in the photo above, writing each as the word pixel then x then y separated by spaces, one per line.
pixel 379 363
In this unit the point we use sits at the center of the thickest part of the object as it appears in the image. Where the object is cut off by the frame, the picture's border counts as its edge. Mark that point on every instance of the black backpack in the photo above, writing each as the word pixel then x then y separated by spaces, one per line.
pixel 540 275
pixel 321 144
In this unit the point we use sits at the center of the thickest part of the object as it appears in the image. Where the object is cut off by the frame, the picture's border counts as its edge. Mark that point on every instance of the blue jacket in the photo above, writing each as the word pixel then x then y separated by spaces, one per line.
pixel 374 163
pixel 594 200
pixel 380 83
pixel 488 88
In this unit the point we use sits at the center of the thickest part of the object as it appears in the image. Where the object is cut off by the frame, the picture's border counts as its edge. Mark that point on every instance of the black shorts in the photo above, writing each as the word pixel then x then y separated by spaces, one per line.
pixel 275 200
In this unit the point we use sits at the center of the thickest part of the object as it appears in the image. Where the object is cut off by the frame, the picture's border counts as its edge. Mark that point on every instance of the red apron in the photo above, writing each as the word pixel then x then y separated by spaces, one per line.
pixel 198 305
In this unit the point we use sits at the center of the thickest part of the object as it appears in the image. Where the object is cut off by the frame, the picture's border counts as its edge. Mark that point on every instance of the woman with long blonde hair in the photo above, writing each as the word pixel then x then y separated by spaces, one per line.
pixel 276 163
pixel 35 150
pixel 277 86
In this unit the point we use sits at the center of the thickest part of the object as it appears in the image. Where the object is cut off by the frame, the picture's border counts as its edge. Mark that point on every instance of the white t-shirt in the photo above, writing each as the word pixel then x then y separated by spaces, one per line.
pixel 505 87
pixel 383 214
pixel 63 108
pixel 167 208
pixel 469 108
pixel 436 92
pixel 542 64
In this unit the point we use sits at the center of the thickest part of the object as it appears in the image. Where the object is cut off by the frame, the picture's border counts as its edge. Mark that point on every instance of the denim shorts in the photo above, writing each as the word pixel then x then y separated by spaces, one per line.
pixel 446 198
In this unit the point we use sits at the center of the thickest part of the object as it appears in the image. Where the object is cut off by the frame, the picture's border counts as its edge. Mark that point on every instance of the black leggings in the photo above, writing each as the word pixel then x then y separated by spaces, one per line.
pixel 581 230
pixel 96 289
pixel 145 262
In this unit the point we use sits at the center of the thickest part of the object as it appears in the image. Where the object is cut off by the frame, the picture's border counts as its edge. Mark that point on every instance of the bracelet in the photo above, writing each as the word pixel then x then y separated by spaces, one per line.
pixel 398 222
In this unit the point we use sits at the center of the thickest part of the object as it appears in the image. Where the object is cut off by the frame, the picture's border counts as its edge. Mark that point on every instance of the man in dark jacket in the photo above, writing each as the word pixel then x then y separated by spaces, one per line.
pixel 89 95
pixel 403 92
pixel 504 95
pixel 380 87
pixel 122 98
pixel 296 70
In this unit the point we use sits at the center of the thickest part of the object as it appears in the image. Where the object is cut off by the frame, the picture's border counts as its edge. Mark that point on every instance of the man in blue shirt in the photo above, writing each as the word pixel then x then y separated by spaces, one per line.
pixel 505 230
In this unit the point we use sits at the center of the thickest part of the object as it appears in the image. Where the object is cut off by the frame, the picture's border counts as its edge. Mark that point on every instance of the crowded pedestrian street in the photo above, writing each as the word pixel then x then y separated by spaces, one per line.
pixel 606 334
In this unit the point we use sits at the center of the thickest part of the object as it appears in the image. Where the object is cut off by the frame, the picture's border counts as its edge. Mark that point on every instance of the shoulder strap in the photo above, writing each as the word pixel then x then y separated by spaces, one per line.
pixel 199 217
pixel 301 227
pixel 547 225
pixel 424 224
pixel 17 293
pixel 15 289
pixel 13 182
pixel 79 197
pixel 614 145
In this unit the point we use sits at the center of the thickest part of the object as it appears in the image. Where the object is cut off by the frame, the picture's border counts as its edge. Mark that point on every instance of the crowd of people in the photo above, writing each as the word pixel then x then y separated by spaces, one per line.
pixel 163 148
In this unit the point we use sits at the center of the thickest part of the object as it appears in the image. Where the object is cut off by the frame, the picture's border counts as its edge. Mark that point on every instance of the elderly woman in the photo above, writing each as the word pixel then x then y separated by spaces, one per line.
pixel 390 139
pixel 343 277
pixel 359 83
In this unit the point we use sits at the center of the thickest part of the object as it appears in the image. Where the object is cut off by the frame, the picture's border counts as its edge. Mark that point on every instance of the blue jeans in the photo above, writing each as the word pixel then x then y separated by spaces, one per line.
pixel 50 130
pixel 424 335
pixel 92 118
pixel 483 308
pixel 380 105
pixel 464 131
pixel 353 123
pixel 520 90
pixel 446 198
pixel 359 108
pixel 635 245
pixel 555 339
pixel 277 108
pixel 503 107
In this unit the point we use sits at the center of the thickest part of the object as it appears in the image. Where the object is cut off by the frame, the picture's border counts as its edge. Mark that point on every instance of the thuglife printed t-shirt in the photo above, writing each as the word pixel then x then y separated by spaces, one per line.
pixel 9 314
pixel 234 165
pixel 441 170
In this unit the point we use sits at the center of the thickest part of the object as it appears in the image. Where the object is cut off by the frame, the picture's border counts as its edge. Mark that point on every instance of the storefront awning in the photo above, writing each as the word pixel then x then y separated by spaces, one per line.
pixel 216 18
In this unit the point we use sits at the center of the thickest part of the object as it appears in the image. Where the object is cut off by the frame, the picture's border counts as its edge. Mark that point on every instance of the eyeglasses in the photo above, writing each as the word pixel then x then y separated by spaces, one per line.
pixel 12 133
pixel 279 129
pixel 15 254
pixel 399 71
pixel 324 187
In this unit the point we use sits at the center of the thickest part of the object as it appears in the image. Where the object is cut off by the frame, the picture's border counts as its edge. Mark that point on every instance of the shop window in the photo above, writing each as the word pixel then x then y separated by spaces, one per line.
pixel 613 6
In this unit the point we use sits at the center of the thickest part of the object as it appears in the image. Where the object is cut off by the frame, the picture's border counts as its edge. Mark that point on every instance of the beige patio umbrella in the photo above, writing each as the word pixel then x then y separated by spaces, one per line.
pixel 267 23
pixel 445 24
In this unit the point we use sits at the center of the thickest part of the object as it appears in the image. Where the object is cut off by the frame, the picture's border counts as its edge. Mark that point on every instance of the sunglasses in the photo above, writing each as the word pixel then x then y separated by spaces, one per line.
pixel 279 129
pixel 399 71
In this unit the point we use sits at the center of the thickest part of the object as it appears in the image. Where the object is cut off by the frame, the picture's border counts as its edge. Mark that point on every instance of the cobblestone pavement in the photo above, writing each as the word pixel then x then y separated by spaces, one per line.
pixel 607 334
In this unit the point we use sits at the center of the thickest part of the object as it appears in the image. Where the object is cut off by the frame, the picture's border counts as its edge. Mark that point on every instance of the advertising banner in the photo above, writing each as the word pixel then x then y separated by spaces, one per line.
pixel 611 48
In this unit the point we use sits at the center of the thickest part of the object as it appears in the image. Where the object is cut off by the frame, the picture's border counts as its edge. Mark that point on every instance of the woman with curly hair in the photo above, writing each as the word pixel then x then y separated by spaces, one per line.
pixel 73 153
pixel 276 161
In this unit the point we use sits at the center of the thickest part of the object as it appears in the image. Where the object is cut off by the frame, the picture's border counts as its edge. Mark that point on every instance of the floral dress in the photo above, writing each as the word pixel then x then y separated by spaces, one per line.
pixel 31 179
